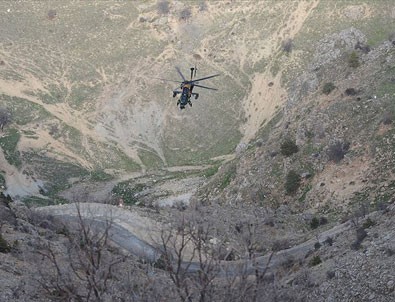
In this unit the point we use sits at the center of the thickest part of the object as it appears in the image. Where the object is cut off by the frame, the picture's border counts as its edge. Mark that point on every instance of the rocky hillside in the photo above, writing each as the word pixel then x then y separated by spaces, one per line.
pixel 280 186
pixel 79 81
pixel 330 147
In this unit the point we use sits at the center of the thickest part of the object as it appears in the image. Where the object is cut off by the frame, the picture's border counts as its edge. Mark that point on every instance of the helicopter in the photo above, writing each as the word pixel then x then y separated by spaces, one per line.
pixel 186 87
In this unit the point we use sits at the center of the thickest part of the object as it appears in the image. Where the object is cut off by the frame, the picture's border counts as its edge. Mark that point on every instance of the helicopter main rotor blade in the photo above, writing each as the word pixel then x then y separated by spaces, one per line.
pixel 168 80
pixel 205 78
pixel 205 87
pixel 180 73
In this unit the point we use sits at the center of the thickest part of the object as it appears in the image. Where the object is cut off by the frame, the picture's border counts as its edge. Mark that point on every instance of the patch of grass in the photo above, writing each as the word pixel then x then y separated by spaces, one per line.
pixel 56 94
pixel 9 144
pixel 386 88
pixel 23 111
pixel 82 95
pixel 150 159
pixel 210 171
pixel 292 182
pixel 306 190
pixel 228 175
pixel 35 201
pixel 353 60
pixel 57 174
pixel 100 175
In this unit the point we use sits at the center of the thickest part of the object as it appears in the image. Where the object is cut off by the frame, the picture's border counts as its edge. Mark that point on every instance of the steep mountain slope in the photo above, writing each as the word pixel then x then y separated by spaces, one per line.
pixel 306 94
pixel 78 80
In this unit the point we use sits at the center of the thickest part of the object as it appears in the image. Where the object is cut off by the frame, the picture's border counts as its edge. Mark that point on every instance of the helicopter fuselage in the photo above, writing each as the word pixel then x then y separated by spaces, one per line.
pixel 186 88
pixel 186 94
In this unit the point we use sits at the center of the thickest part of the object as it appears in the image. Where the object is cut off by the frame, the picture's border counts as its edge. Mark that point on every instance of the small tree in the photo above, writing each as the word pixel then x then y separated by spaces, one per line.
pixel 292 182
pixel 288 147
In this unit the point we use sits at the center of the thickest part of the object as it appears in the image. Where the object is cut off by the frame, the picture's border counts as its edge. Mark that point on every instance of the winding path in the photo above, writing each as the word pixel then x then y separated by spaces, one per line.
pixel 140 236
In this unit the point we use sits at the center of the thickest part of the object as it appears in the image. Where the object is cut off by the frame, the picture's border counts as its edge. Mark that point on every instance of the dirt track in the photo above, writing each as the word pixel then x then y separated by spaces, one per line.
pixel 140 235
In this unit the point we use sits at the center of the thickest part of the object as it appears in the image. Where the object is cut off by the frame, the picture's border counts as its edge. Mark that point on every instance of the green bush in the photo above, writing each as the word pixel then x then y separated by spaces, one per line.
pixel 337 150
pixel 4 247
pixel 315 261
pixel 353 60
pixel 368 223
pixel 314 223
pixel 292 182
pixel 288 147
pixel 328 88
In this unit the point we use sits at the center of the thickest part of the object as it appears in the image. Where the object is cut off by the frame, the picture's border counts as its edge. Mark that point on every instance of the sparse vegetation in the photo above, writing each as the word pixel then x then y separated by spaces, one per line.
pixel 287 45
pixel 350 91
pixel 391 38
pixel 185 14
pixel 128 192
pixel 353 60
pixel 163 7
pixel 100 175
pixel 315 261
pixel 5 117
pixel 361 234
pixel 388 118
pixel 368 223
pixel 328 241
pixel 288 147
pixel 337 150
pixel 9 144
pixel 328 88
pixel 4 246
pixel 316 222
pixel 292 182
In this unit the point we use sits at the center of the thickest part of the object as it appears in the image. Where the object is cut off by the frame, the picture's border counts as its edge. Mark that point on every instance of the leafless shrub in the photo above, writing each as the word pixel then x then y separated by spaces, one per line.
pixel 387 118
pixel 191 258
pixel 360 236
pixel 5 117
pixel 52 14
pixel 185 14
pixel 350 91
pixel 362 47
pixel 287 45
pixel 281 244
pixel 87 272
pixel 391 38
pixel 330 274
pixel 163 7
pixel 337 151
pixel 328 241
pixel 203 6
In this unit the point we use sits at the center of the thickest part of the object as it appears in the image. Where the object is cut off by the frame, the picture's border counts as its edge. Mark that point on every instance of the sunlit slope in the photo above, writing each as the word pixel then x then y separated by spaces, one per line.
pixel 78 78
